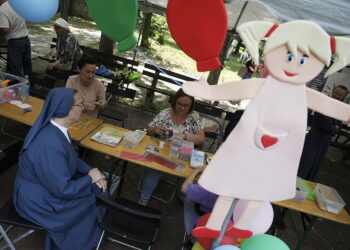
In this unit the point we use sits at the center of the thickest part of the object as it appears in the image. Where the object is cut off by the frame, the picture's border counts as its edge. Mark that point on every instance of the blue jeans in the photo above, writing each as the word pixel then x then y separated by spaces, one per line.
pixel 150 181
pixel 247 75
pixel 190 219
pixel 19 59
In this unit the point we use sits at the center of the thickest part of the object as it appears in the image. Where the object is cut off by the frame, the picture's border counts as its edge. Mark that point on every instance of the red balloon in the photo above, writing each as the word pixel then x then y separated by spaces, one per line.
pixel 199 29
pixel 206 242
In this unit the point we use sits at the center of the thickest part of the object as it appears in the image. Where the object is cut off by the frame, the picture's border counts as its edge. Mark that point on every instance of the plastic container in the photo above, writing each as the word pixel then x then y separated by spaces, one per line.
pixel 186 150
pixel 328 199
pixel 14 91
pixel 302 191
pixel 133 138
pixel 175 146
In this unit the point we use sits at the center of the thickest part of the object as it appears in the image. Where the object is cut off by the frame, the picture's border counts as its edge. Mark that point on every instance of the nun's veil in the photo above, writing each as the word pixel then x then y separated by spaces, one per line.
pixel 57 104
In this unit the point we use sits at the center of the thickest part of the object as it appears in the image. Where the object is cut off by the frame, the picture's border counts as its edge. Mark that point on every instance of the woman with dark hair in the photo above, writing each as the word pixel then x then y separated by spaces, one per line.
pixel 91 90
pixel 180 120
pixel 53 187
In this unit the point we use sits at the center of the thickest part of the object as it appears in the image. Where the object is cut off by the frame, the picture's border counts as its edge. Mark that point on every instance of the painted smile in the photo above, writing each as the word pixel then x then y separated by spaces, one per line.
pixel 289 74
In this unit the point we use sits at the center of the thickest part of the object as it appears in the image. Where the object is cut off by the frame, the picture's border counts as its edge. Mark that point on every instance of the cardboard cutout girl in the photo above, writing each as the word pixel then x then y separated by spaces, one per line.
pixel 260 158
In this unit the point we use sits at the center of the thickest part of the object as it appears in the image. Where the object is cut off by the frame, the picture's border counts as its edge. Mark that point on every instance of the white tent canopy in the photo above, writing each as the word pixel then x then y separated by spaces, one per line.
pixel 332 15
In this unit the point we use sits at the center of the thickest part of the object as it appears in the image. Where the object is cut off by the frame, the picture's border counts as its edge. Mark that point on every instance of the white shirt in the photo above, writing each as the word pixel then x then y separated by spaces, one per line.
pixel 63 129
pixel 10 19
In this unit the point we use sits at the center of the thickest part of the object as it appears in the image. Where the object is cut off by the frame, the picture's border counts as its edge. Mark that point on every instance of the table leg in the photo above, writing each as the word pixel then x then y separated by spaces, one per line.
pixel 112 167
pixel 306 232
pixel 121 181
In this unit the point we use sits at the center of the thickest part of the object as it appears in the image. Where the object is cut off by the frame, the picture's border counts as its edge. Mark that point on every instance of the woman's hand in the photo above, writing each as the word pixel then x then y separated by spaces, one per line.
pixel 89 106
pixel 101 104
pixel 96 175
pixel 102 183
pixel 160 130
pixel 50 66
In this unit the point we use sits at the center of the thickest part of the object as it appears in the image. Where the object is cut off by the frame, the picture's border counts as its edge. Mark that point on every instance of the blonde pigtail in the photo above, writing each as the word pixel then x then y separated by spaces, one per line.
pixel 252 33
pixel 342 55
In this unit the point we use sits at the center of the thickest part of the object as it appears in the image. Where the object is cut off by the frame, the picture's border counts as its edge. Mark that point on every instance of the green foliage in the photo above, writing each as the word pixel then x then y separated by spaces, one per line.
pixel 159 29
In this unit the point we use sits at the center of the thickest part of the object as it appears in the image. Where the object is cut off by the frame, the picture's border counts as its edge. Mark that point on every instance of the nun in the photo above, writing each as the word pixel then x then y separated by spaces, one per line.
pixel 53 187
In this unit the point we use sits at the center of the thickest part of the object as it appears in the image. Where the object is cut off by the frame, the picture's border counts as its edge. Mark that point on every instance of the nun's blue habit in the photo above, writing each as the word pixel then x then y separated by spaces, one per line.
pixel 52 187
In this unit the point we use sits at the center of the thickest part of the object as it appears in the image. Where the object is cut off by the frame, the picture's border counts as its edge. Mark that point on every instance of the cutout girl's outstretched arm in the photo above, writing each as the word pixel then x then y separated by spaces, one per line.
pixel 230 91
pixel 327 105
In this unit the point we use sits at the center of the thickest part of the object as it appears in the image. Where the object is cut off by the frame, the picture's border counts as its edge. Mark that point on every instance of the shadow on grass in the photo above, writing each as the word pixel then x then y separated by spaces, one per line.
pixel 233 64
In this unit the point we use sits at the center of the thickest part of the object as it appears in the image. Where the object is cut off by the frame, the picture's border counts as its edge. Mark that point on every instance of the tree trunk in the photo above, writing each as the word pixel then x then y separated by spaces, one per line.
pixel 239 45
pixel 214 75
pixel 106 44
pixel 145 30
pixel 64 9
pixel 79 8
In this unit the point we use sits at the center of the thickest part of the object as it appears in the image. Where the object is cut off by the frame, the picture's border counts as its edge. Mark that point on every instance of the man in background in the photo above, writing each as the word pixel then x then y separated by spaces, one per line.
pixel 318 139
pixel 19 61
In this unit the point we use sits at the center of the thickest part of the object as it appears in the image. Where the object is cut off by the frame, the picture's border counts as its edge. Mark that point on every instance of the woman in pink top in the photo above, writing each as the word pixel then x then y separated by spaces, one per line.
pixel 91 90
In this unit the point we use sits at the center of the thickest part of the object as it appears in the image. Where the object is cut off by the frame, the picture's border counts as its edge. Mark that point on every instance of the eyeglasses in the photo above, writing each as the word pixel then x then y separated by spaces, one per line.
pixel 183 105
pixel 80 104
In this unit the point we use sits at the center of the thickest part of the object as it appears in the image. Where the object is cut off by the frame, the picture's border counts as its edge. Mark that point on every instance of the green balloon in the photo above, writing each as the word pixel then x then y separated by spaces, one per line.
pixel 116 19
pixel 264 242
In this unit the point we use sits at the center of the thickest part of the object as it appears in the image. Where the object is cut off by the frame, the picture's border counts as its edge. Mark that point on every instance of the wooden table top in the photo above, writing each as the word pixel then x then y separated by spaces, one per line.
pixel 311 207
pixel 140 149
pixel 77 131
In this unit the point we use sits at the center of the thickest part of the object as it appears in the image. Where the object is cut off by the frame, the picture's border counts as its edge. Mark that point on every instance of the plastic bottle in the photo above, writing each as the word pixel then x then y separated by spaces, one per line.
pixel 25 90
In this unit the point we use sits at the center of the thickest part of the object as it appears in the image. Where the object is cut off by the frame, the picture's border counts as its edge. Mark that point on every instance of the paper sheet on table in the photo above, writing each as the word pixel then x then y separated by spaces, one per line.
pixel 20 104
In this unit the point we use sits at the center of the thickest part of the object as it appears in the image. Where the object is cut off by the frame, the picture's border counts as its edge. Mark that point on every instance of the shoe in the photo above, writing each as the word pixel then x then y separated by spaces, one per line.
pixel 142 202
pixel 204 232
pixel 239 233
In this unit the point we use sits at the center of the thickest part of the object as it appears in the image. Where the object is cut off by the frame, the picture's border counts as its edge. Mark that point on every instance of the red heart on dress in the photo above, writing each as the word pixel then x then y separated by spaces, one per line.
pixel 268 141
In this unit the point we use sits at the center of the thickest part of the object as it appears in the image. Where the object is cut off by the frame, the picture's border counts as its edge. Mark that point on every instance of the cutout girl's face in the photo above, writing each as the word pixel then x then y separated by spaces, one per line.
pixel 287 68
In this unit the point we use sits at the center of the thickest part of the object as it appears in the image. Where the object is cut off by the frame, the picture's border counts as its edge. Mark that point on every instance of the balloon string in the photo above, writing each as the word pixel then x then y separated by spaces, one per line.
pixel 155 65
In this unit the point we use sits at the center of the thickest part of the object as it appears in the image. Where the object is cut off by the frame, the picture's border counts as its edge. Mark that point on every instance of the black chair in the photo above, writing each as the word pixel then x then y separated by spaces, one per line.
pixel 214 114
pixel 9 155
pixel 114 110
pixel 9 216
pixel 129 223
pixel 40 85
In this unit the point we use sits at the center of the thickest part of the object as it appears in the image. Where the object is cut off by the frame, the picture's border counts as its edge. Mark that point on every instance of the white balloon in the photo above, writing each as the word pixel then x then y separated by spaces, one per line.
pixel 263 219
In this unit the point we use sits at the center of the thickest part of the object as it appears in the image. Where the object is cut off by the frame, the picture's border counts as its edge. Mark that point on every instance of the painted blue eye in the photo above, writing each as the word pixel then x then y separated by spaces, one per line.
pixel 302 60
pixel 289 57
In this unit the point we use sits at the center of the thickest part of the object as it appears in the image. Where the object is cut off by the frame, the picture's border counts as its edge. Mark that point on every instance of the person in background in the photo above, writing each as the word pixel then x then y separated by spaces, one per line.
pixel 318 139
pixel 251 68
pixel 197 203
pixel 232 123
pixel 178 120
pixel 53 187
pixel 244 57
pixel 91 90
pixel 68 49
pixel 19 59
pixel 263 70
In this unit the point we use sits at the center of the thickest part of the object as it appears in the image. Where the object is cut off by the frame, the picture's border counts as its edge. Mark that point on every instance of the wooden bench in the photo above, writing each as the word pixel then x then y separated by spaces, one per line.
pixel 155 74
